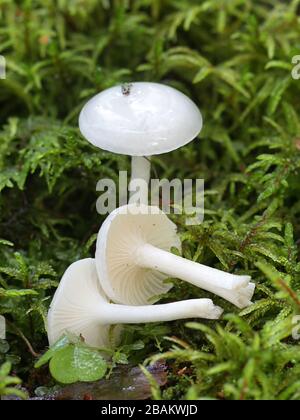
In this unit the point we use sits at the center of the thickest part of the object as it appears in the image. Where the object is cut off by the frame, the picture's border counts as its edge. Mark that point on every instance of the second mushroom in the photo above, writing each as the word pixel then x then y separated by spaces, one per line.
pixel 133 260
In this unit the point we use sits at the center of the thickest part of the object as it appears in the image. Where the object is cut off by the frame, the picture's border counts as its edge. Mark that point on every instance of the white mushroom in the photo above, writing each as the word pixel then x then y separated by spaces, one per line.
pixel 81 307
pixel 133 250
pixel 140 120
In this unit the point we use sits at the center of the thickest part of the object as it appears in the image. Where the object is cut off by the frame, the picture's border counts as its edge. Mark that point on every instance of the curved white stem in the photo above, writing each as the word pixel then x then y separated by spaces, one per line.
pixel 207 278
pixel 111 314
pixel 140 177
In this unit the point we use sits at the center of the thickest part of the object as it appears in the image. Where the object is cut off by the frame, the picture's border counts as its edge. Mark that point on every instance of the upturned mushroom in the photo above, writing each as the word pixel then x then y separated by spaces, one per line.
pixel 133 260
pixel 140 120
pixel 81 307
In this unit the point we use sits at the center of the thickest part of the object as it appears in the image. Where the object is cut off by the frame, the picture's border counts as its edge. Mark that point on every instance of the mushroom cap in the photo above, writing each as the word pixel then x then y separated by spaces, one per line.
pixel 75 306
pixel 124 230
pixel 149 119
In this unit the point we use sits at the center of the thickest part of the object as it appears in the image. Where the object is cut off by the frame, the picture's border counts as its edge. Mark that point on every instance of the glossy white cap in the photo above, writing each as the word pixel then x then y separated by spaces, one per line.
pixel 148 119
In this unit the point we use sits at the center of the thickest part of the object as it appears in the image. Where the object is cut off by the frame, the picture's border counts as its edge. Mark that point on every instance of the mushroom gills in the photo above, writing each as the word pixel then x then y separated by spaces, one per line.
pixel 134 258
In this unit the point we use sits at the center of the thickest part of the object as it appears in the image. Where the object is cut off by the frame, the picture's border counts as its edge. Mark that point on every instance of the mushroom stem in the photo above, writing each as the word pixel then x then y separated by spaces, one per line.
pixel 206 278
pixel 111 314
pixel 140 171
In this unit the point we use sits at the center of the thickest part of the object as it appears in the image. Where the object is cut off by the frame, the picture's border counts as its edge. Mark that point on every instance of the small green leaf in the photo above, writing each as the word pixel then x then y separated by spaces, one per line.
pixel 202 74
pixel 77 364
pixel 120 358
pixel 277 93
pixel 5 369
pixel 60 344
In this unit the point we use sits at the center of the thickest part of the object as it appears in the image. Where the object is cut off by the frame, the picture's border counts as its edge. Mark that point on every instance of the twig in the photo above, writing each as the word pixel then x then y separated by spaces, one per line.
pixel 26 341
pixel 289 291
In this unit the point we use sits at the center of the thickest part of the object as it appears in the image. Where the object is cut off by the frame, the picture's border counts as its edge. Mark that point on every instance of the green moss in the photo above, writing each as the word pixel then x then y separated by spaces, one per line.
pixel 233 58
